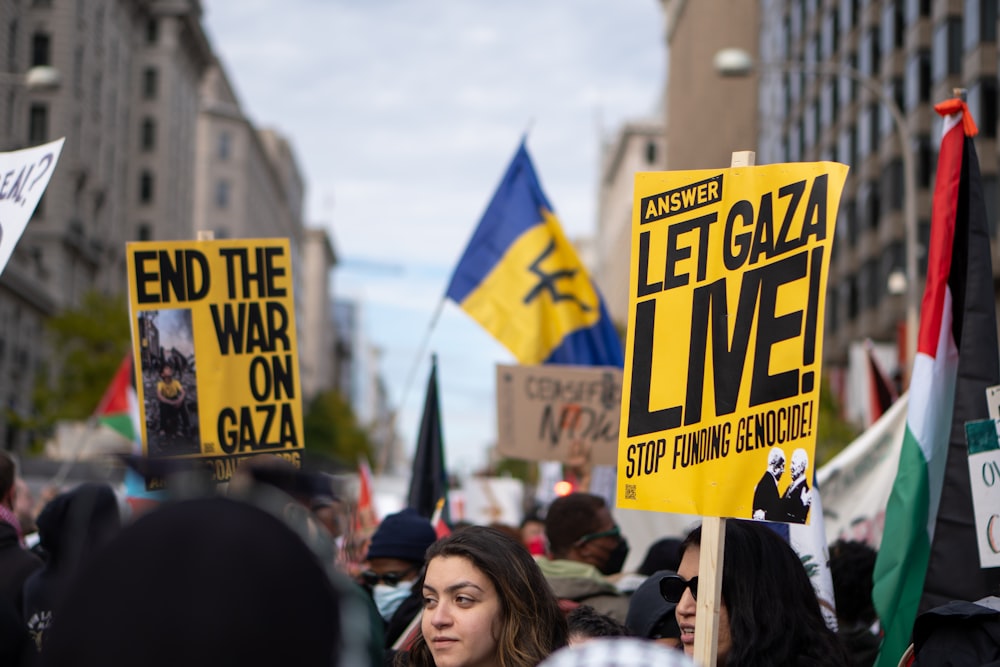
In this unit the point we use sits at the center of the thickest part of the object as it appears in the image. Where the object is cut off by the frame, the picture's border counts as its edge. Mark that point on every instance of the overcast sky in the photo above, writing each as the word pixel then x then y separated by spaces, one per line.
pixel 403 115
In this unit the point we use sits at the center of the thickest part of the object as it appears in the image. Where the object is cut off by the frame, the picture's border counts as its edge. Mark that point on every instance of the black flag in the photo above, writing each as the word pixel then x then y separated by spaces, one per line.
pixel 429 482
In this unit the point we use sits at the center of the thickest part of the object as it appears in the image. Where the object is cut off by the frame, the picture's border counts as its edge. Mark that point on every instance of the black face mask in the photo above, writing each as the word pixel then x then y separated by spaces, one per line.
pixel 616 559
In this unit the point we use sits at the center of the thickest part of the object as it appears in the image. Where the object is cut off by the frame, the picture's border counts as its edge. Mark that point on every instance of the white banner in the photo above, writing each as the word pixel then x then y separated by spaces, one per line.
pixel 856 483
pixel 24 175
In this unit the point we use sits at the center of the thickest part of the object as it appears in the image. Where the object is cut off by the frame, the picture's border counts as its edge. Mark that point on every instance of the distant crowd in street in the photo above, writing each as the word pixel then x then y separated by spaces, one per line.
pixel 273 572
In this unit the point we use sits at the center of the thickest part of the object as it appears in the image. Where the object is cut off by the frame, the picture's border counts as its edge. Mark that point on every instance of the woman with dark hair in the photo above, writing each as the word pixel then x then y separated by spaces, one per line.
pixel 769 613
pixel 485 603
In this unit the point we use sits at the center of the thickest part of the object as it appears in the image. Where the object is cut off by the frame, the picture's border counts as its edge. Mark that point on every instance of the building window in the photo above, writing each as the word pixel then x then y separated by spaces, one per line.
pixel 871 206
pixel 853 305
pixel 948 48
pixel 892 184
pixel 925 162
pixel 146 187
pixel 983 104
pixel 150 83
pixel 874 287
pixel 41 49
pixel 148 138
pixel 222 191
pixel 651 152
pixel 918 79
pixel 892 26
pixel 152 31
pixel 980 22
pixel 225 147
pixel 12 46
pixel 849 222
pixel 917 9
pixel 38 124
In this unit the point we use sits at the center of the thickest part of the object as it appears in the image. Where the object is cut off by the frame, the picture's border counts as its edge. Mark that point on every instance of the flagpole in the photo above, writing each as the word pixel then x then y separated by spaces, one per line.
pixel 393 418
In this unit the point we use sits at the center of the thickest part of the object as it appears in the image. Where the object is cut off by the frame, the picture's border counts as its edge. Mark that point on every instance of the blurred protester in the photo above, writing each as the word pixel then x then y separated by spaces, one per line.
pixel 329 511
pixel 617 652
pixel 663 554
pixel 769 613
pixel 16 562
pixel 24 510
pixel 852 565
pixel 485 603
pixel 72 527
pixel 533 533
pixel 652 617
pixel 395 563
pixel 585 547
pixel 204 583
pixel 13 639
pixel 958 633
pixel 585 623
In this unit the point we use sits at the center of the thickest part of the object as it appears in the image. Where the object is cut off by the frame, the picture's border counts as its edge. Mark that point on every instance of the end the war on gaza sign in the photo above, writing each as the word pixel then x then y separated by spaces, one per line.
pixel 217 367
pixel 724 351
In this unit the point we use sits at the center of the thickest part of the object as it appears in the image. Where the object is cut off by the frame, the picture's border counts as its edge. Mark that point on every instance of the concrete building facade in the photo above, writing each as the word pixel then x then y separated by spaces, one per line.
pixel 707 119
pixel 157 148
pixel 318 338
pixel 917 52
pixel 637 146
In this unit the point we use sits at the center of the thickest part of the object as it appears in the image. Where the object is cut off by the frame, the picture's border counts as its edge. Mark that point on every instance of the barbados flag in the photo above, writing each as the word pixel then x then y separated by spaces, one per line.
pixel 521 279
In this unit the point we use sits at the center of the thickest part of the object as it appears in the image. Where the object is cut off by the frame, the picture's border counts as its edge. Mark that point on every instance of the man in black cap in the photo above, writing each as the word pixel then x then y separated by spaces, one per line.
pixel 395 563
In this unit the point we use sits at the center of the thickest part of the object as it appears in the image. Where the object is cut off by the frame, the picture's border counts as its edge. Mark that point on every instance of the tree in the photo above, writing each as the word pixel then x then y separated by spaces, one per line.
pixel 332 429
pixel 87 344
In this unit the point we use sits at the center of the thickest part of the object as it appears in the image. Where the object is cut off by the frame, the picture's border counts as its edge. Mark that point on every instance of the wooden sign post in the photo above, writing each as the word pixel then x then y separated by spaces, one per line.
pixel 712 553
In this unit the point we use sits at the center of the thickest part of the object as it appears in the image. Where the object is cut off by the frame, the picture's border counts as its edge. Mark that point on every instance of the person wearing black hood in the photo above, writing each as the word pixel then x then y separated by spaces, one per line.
pixel 586 547
pixel 652 617
pixel 71 527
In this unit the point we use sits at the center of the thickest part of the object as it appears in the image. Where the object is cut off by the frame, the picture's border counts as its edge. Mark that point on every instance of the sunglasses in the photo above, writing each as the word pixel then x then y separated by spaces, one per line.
pixel 611 532
pixel 372 578
pixel 672 587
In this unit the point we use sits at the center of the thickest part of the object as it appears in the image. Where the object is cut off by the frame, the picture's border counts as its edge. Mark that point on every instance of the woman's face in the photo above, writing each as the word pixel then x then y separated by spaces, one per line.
pixel 461 618
pixel 687 608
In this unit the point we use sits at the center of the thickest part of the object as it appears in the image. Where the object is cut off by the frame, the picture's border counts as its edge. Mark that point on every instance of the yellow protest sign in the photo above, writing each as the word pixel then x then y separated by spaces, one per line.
pixel 725 339
pixel 217 367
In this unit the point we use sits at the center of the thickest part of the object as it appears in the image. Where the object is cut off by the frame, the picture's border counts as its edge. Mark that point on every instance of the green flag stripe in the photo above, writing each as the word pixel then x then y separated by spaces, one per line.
pixel 905 550
pixel 120 422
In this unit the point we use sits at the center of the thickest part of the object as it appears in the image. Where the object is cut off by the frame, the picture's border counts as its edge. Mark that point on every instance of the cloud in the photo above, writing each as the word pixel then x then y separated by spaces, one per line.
pixel 404 115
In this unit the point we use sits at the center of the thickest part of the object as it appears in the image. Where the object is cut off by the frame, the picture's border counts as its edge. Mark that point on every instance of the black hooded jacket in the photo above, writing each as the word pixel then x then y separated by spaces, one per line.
pixel 71 528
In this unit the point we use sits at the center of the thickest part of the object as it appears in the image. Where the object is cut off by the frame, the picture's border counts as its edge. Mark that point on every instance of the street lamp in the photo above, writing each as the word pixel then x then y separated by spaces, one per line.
pixel 39 77
pixel 737 62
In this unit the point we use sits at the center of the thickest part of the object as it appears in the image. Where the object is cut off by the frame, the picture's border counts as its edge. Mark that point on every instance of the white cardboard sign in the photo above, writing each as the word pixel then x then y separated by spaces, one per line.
pixel 24 175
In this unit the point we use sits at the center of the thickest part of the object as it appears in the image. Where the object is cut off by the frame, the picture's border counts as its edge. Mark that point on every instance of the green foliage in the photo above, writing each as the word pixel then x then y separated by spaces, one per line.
pixel 833 433
pixel 332 429
pixel 87 344
pixel 526 471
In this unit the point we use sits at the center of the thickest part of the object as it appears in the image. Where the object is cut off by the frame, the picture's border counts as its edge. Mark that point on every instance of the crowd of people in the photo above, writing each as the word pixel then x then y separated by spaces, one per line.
pixel 257 576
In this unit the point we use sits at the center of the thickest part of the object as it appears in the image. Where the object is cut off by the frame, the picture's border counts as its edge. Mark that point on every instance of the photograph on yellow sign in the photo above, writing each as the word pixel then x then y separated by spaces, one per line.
pixel 169 383
pixel 725 340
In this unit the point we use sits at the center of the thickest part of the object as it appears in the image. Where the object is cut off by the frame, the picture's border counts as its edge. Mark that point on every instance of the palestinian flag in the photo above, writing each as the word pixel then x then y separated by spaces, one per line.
pixel 119 410
pixel 928 553
pixel 119 407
